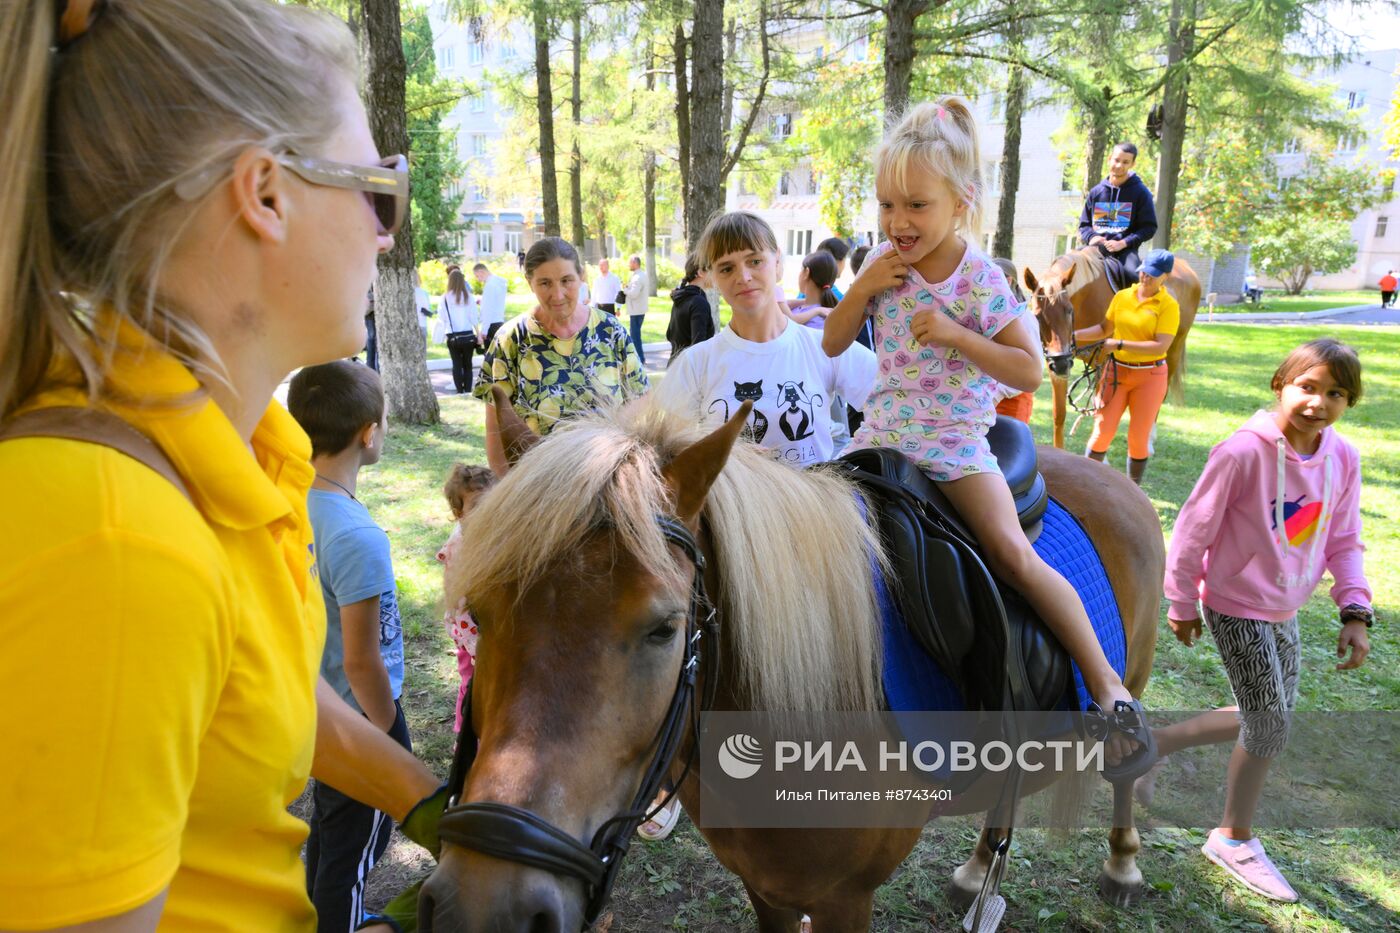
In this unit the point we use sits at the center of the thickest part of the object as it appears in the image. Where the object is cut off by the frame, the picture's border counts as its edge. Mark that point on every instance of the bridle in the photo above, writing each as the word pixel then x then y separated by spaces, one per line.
pixel 1071 351
pixel 516 835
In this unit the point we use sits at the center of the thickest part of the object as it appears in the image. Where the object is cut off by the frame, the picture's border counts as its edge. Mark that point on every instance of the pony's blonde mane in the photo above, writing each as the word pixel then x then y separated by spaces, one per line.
pixel 792 548
pixel 1087 265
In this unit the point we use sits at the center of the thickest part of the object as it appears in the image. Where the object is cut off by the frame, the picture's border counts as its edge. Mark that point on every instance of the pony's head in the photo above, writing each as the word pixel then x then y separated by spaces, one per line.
pixel 1054 311
pixel 583 599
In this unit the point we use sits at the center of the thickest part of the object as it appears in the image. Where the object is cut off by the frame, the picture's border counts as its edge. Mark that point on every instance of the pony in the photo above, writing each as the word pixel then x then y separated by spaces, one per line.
pixel 1074 293
pixel 585 593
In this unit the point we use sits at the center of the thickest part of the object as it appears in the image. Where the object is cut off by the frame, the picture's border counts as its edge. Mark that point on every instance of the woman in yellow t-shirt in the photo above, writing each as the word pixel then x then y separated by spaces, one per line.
pixel 174 170
pixel 1138 329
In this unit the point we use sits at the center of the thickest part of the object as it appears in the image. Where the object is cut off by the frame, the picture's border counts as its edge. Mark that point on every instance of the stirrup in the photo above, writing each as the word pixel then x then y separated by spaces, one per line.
pixel 985 913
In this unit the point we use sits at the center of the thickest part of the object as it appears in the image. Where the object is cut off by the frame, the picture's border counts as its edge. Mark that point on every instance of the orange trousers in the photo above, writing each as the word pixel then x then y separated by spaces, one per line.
pixel 1138 391
pixel 1017 406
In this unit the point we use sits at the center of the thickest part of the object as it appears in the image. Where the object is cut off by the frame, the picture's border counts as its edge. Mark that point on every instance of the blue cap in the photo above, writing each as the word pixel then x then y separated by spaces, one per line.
pixel 1158 262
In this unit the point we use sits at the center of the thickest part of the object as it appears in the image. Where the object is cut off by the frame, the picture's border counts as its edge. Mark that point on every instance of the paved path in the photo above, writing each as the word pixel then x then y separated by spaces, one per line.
pixel 1353 314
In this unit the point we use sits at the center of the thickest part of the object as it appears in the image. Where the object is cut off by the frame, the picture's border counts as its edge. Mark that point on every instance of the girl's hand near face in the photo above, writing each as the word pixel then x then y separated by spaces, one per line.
pixel 879 275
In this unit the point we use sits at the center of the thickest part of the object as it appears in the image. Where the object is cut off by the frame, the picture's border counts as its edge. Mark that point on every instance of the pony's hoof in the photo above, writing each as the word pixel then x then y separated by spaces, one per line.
pixel 964 886
pixel 1119 893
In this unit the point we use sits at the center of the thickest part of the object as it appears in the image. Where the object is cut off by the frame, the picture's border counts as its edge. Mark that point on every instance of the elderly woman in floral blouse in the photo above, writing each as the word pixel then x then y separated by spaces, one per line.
pixel 560 358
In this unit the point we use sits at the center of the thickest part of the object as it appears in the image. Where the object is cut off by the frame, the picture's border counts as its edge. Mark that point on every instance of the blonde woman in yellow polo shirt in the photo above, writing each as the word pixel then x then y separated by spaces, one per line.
pixel 1138 329
pixel 180 180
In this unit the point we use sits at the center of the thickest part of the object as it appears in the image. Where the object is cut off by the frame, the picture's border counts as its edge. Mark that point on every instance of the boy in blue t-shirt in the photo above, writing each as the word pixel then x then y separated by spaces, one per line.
pixel 340 405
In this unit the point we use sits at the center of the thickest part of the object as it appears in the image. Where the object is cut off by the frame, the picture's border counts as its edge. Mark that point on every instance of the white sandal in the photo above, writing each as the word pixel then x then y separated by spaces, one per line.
pixel 665 820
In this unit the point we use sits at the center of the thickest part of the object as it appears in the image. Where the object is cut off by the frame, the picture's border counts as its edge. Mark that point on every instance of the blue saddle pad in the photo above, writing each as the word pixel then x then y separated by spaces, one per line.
pixel 914 682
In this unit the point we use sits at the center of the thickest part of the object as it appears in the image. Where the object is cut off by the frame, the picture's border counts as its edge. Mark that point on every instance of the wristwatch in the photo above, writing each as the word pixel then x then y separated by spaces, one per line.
pixel 1355 612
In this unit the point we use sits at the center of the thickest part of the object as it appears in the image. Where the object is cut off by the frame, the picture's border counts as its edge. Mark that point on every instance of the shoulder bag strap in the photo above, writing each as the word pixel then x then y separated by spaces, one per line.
pixel 94 426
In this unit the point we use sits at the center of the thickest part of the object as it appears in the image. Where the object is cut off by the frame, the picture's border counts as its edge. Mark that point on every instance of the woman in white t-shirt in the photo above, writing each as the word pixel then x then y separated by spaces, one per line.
pixel 763 356
pixel 458 308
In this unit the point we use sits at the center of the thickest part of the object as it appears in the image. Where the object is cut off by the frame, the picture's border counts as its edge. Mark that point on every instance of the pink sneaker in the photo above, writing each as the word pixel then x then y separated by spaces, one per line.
pixel 1249 864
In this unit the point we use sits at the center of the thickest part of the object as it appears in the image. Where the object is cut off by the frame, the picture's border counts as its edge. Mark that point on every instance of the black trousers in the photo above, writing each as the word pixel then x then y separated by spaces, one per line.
pixel 1386 298
pixel 347 839
pixel 460 347
pixel 371 344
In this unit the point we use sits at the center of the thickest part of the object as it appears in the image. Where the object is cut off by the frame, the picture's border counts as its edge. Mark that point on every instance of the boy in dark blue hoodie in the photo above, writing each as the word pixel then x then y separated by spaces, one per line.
pixel 1119 214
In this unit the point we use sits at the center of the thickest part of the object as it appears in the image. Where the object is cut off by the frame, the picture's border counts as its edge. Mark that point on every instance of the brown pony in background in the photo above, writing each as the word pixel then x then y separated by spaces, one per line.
pixel 1074 293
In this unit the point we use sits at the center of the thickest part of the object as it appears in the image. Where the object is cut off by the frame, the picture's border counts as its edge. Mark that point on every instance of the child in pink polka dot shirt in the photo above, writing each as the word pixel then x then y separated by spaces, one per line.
pixel 462 488
pixel 948 335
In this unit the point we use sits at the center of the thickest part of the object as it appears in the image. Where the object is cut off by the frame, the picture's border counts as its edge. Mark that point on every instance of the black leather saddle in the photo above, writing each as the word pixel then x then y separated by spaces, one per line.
pixel 981 633
pixel 1114 270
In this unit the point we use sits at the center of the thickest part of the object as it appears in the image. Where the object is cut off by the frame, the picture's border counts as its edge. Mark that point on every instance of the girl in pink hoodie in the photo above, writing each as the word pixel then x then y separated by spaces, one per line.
pixel 1277 504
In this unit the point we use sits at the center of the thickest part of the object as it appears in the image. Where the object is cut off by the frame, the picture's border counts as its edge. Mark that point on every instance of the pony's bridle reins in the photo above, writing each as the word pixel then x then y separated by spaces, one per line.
pixel 516 835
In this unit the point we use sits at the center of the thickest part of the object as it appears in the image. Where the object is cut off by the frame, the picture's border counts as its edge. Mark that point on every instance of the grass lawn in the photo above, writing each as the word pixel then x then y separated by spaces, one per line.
pixel 1279 303
pixel 1348 879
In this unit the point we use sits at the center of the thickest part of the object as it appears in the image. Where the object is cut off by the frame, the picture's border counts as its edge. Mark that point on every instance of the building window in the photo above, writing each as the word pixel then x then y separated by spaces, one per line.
pixel 782 125
pixel 447 57
pixel 478 104
pixel 480 192
pixel 1064 242
pixel 1381 223
pixel 483 242
pixel 663 244
pixel 785 184
pixel 1351 142
pixel 476 52
pixel 814 183
pixel 1356 100
pixel 1292 146
pixel 1069 182
pixel 996 106
pixel 1284 182
pixel 799 242
pixel 478 144
pixel 508 50
pixel 991 178
pixel 860 49
pixel 513 241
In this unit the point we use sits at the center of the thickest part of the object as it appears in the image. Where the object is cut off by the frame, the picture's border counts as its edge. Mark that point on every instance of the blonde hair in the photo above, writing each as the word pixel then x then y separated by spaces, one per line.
pixel 940 137
pixel 732 232
pixel 801 619
pixel 96 136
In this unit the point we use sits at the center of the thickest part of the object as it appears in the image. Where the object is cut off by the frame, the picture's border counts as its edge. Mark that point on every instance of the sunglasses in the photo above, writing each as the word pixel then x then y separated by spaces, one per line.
pixel 385 185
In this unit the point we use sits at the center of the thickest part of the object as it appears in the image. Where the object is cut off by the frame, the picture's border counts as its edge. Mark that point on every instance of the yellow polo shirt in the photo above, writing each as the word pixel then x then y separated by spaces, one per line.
pixel 1136 319
pixel 159 668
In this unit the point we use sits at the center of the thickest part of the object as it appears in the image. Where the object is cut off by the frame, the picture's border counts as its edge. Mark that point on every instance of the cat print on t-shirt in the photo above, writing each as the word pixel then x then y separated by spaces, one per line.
pixel 798 413
pixel 757 428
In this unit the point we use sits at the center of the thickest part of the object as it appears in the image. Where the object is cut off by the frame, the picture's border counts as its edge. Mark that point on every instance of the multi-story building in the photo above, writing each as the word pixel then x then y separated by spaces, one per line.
pixel 477 123
pixel 1365 84
pixel 1048 200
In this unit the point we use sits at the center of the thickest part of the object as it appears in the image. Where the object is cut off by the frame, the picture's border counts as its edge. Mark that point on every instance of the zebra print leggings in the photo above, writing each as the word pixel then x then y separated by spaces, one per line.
pixel 1261 660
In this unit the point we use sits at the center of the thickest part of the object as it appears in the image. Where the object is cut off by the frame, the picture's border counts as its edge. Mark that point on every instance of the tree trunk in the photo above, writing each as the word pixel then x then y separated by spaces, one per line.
pixel 1010 163
pixel 706 110
pixel 1180 48
pixel 544 101
pixel 575 158
pixel 678 49
pixel 407 390
pixel 649 187
pixel 1096 143
pixel 731 48
pixel 900 17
